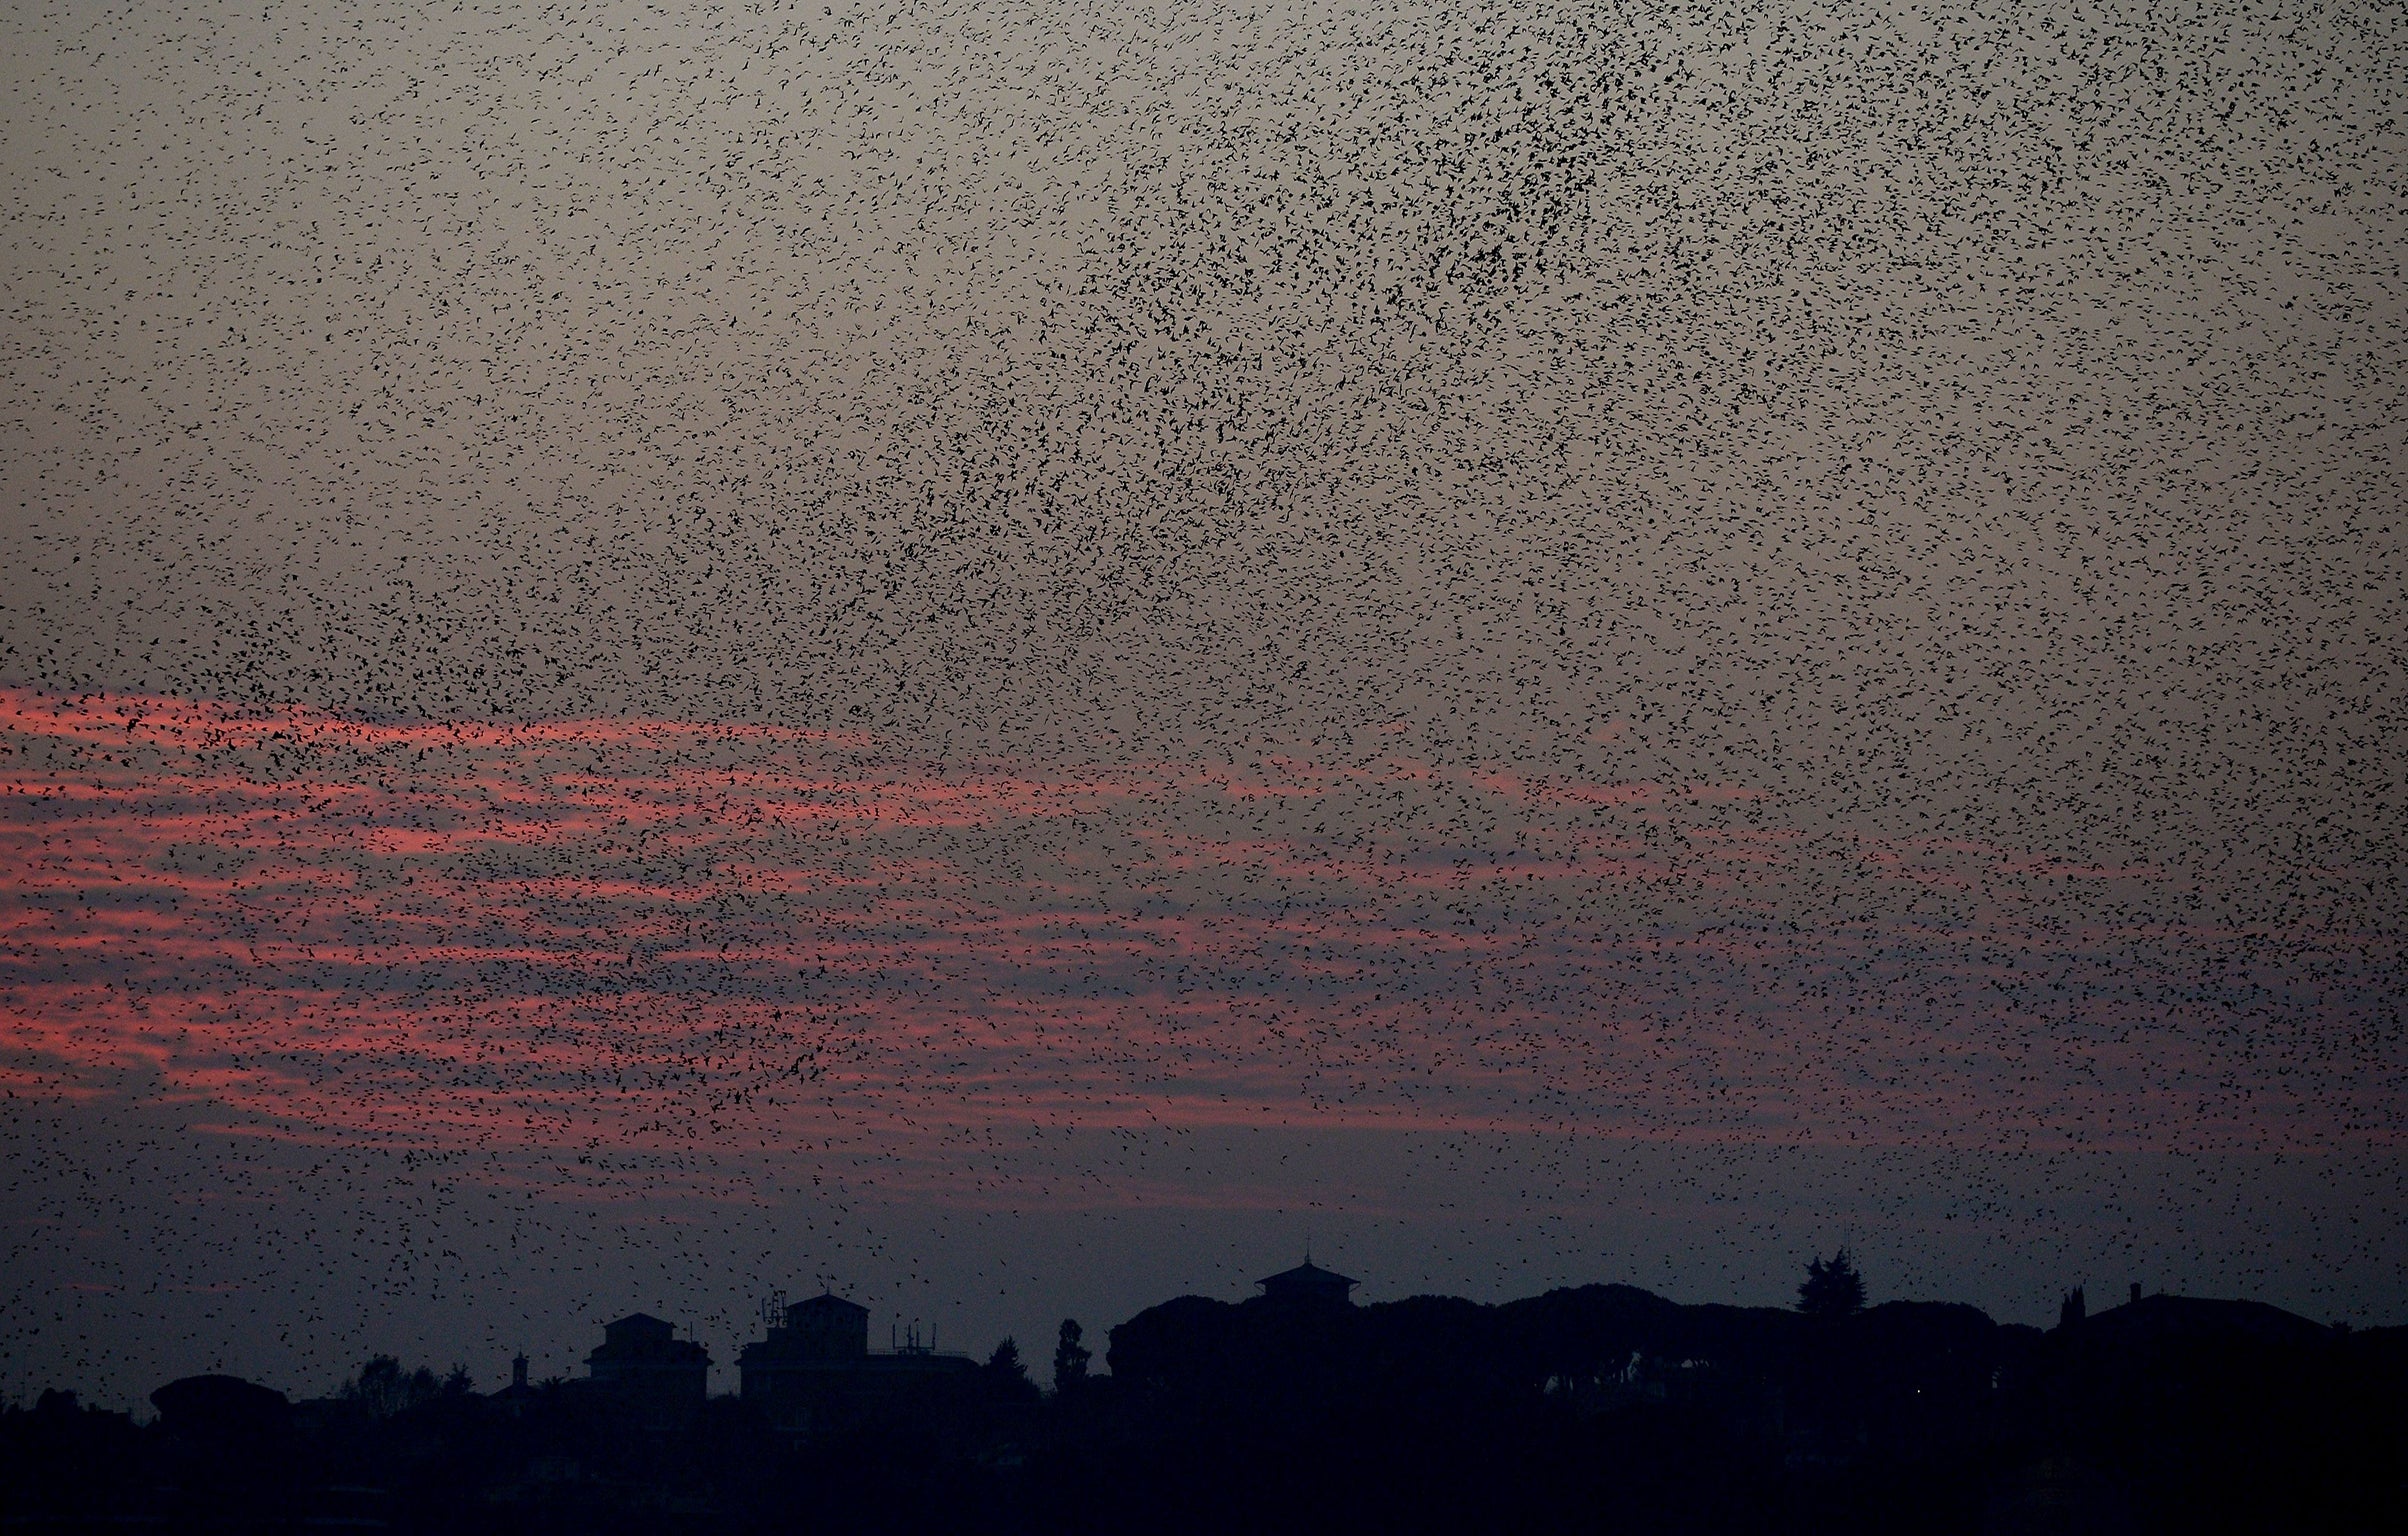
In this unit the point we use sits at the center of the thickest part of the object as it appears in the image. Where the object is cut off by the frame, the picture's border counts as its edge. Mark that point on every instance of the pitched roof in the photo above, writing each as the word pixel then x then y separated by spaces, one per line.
pixel 829 1299
pixel 1307 1275
pixel 641 1320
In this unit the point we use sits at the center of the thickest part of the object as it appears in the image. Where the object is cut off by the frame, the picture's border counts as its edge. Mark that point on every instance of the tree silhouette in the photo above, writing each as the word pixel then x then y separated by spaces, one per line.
pixel 384 1389
pixel 1006 1374
pixel 1832 1289
pixel 1070 1359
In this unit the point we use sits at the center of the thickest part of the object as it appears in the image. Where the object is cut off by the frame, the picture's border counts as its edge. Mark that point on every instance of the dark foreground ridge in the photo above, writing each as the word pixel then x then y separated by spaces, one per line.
pixel 1602 1408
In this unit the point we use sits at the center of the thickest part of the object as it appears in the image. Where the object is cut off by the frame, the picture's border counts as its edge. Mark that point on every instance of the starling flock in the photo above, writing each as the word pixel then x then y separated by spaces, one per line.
pixel 645 647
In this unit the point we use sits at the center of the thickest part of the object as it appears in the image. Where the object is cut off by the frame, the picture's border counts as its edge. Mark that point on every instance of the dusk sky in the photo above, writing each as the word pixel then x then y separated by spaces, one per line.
pixel 1018 657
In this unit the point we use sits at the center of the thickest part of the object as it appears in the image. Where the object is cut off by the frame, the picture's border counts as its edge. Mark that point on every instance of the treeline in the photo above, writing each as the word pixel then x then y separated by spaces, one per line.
pixel 1608 1407
pixel 1603 1408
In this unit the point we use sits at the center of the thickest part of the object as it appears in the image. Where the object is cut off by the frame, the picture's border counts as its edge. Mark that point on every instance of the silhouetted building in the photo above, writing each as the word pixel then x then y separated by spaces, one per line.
pixel 826 1328
pixel 518 1394
pixel 639 1358
pixel 1308 1285
pixel 1427 1414
pixel 816 1369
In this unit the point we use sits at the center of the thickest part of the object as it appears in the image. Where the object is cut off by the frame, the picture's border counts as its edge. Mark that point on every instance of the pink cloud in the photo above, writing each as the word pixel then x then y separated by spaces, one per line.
pixel 554 936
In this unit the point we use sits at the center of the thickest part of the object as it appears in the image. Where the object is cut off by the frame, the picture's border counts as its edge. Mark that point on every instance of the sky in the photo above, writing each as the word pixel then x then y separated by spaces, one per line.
pixel 1020 658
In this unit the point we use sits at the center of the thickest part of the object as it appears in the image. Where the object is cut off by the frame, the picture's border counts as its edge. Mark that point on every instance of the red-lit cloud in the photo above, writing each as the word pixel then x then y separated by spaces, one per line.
pixel 653 935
